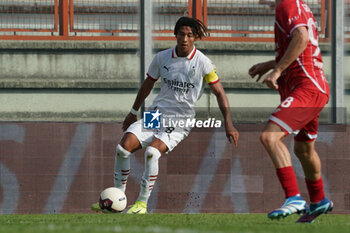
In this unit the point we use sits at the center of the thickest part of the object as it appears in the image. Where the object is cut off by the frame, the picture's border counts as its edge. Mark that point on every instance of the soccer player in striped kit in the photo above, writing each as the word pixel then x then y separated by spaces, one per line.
pixel 297 74
pixel 182 70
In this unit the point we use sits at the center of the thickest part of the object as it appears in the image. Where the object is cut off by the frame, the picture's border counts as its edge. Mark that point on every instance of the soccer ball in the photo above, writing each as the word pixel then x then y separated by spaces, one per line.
pixel 113 200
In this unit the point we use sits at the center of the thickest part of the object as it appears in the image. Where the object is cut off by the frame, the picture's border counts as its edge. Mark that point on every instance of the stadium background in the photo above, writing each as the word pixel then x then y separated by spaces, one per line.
pixel 69 73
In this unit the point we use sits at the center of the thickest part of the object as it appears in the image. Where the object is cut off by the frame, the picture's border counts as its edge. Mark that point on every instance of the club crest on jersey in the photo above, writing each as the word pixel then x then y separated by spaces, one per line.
pixel 192 72
pixel 152 119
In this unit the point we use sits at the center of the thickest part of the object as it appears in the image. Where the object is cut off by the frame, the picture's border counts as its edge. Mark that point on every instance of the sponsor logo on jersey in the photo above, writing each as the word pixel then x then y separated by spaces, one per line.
pixel 183 87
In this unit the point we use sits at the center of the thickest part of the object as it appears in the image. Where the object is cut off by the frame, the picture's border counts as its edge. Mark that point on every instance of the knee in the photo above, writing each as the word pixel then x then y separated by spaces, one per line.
pixel 121 152
pixel 267 138
pixel 152 153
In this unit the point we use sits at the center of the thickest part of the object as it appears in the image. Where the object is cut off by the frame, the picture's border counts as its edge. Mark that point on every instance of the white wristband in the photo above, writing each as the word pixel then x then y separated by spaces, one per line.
pixel 134 112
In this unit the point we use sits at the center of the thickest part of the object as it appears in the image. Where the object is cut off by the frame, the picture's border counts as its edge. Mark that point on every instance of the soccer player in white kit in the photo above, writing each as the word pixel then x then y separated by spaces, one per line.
pixel 181 70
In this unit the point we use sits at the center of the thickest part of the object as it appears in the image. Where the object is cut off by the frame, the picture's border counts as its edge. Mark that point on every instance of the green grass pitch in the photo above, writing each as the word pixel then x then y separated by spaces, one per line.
pixel 168 223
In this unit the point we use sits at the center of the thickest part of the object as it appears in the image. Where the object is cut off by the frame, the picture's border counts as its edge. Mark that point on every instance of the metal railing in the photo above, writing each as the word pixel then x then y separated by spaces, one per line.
pixel 250 19
pixel 227 20
pixel 29 16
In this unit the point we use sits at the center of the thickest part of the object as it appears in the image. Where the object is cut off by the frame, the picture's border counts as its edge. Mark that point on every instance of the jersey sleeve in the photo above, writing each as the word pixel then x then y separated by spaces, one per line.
pixel 292 17
pixel 212 77
pixel 153 70
pixel 209 71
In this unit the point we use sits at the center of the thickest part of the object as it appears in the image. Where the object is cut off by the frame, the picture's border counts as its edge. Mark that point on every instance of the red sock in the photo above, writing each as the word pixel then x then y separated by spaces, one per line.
pixel 315 189
pixel 288 181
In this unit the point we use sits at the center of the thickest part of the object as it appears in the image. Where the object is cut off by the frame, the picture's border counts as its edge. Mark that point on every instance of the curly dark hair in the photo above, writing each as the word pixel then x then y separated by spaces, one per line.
pixel 198 28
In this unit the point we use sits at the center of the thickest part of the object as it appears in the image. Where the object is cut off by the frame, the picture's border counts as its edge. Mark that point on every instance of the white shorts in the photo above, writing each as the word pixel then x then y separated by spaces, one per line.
pixel 170 137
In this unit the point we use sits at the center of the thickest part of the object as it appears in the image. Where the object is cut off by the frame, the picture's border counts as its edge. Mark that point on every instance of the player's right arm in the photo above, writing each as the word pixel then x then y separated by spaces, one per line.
pixel 261 68
pixel 142 94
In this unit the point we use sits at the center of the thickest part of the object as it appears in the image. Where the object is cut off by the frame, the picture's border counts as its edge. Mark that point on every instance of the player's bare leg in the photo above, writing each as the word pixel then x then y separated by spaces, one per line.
pixel 309 159
pixel 130 142
pixel 149 177
pixel 272 139
pixel 311 163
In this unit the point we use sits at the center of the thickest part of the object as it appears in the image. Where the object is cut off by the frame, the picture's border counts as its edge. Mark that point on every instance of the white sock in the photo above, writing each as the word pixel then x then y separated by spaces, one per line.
pixel 150 174
pixel 121 167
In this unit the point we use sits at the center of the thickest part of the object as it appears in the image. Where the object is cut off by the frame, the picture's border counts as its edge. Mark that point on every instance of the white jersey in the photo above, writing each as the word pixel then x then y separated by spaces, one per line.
pixel 182 80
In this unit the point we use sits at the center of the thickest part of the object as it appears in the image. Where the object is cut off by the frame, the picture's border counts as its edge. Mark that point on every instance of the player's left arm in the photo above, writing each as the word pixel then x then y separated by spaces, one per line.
pixel 300 39
pixel 231 131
